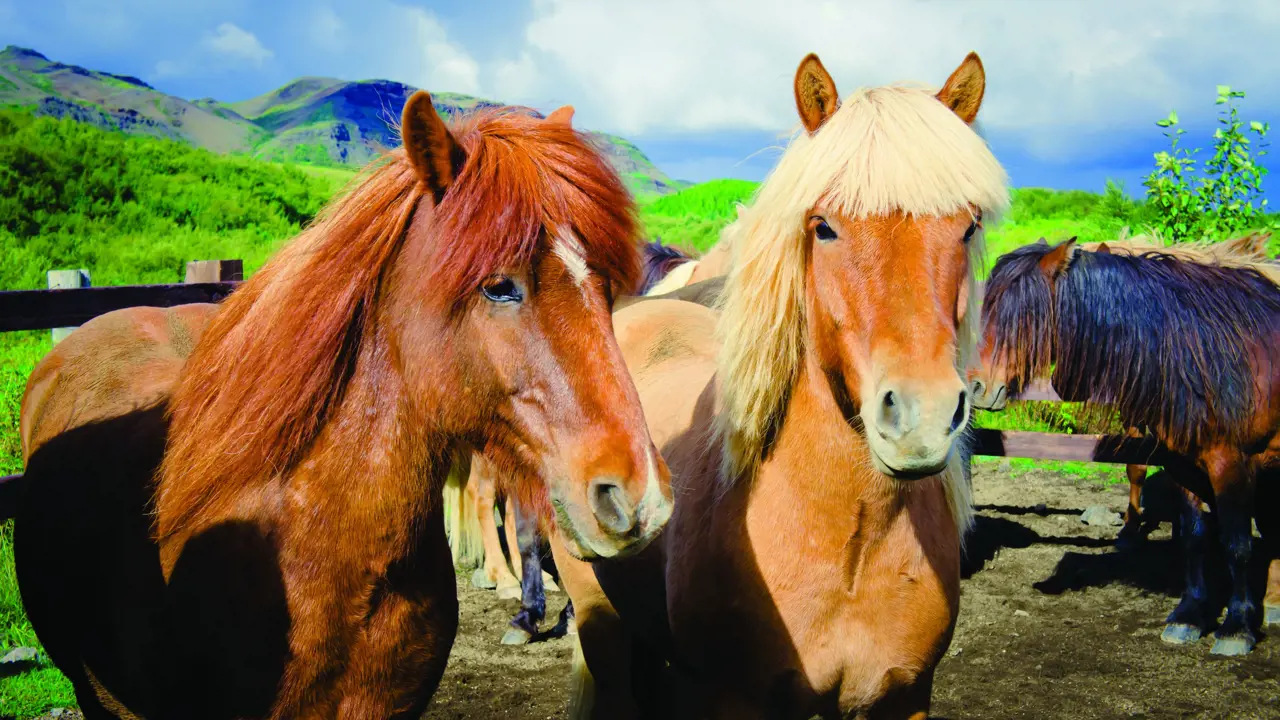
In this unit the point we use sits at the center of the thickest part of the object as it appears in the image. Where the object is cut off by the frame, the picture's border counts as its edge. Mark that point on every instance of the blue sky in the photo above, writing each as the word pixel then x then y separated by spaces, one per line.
pixel 704 86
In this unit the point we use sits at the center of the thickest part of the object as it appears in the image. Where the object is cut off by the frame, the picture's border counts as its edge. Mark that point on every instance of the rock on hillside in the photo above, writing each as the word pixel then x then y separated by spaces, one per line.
pixel 323 121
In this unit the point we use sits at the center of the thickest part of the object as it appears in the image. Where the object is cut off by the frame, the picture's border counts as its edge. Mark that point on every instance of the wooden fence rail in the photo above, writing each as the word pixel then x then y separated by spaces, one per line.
pixel 71 302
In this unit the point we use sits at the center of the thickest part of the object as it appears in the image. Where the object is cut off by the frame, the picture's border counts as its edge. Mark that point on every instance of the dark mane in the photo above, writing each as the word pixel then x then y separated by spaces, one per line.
pixel 1170 343
pixel 659 260
pixel 276 359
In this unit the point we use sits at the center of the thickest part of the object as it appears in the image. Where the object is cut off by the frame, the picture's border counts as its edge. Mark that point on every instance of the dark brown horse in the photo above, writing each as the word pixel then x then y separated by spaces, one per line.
pixel 236 513
pixel 1183 342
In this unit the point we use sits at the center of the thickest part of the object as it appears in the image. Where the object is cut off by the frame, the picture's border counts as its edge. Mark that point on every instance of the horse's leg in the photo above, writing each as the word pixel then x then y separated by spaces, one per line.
pixel 1267 514
pixel 1271 603
pixel 1233 487
pixel 1190 619
pixel 533 600
pixel 600 685
pixel 1131 533
pixel 514 590
pixel 495 572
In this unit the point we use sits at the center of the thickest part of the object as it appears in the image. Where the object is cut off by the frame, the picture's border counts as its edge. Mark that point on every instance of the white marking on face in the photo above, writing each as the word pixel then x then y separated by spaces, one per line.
pixel 568 248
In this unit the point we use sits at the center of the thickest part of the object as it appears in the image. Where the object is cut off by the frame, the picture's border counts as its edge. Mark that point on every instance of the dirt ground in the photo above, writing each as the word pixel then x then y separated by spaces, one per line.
pixel 1054 623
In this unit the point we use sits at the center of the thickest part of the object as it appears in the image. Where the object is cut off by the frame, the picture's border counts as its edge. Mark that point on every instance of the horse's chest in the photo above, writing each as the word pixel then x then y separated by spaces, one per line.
pixel 825 626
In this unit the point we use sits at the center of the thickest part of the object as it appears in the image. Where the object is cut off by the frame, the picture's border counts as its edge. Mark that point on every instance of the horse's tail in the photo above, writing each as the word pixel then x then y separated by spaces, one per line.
pixel 659 261
pixel 582 687
pixel 462 519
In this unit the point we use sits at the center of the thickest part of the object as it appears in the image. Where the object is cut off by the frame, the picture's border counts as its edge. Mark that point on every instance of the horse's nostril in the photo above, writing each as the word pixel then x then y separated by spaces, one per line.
pixel 977 387
pixel 888 399
pixel 958 417
pixel 612 508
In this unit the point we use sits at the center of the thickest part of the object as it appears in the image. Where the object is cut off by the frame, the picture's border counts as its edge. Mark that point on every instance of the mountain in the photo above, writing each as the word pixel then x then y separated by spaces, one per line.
pixel 315 120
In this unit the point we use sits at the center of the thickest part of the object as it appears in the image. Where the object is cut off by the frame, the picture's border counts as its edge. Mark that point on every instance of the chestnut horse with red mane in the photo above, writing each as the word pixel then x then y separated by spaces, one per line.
pixel 813 422
pixel 235 512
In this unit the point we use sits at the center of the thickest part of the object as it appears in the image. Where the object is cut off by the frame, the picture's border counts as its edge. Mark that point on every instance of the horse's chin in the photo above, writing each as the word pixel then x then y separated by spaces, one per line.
pixel 912 473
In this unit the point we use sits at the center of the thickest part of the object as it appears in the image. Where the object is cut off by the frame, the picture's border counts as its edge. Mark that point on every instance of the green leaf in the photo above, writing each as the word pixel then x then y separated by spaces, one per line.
pixel 1256 127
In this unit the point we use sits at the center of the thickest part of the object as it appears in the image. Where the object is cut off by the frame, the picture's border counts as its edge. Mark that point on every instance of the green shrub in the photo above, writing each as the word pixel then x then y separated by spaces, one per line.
pixel 1220 203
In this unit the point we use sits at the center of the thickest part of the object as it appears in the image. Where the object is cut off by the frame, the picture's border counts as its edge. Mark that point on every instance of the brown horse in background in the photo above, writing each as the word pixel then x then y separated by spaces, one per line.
pixel 237 513
pixel 1193 361
pixel 813 425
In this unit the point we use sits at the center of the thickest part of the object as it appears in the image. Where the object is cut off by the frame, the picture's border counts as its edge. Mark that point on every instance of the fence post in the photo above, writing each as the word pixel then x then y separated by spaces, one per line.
pixel 60 279
pixel 207 271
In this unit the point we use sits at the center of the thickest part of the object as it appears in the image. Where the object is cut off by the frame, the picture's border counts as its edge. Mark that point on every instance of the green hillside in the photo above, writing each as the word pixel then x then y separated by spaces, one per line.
pixel 135 209
pixel 314 120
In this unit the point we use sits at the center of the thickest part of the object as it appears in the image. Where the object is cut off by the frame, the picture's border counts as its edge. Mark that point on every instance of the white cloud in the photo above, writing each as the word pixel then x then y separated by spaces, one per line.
pixel 326 29
pixel 433 61
pixel 517 81
pixel 234 42
pixel 1056 72
pixel 167 68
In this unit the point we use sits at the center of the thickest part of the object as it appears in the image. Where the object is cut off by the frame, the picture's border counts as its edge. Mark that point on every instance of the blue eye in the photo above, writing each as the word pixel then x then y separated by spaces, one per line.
pixel 968 234
pixel 823 231
pixel 501 290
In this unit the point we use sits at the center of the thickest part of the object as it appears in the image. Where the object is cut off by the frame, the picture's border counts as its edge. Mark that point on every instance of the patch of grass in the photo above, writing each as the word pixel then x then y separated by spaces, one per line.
pixel 31 693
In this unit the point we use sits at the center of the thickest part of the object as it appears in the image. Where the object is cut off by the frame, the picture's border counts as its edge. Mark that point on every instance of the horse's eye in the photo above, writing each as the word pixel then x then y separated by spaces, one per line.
pixel 501 290
pixel 823 231
pixel 968 234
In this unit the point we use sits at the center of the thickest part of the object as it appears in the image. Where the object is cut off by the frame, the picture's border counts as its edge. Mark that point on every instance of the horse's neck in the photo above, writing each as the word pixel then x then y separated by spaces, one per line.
pixel 376 450
pixel 820 467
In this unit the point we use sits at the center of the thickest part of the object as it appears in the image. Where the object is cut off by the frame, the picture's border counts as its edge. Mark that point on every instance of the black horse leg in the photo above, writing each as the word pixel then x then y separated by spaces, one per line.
pixel 533 598
pixel 1190 619
pixel 1234 489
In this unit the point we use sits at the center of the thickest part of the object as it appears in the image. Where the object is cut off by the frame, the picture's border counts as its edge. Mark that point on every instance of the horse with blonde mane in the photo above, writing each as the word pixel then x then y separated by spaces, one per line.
pixel 814 428
pixel 237 514
pixel 1182 341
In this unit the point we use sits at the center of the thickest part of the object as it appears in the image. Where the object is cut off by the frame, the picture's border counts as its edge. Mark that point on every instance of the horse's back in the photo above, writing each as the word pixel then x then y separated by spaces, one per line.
pixel 111 365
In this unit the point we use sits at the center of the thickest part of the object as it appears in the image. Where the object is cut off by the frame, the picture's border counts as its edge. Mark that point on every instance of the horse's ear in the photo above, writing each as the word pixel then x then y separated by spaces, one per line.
pixel 1103 249
pixel 964 89
pixel 562 115
pixel 1042 241
pixel 816 97
pixel 429 145
pixel 1056 260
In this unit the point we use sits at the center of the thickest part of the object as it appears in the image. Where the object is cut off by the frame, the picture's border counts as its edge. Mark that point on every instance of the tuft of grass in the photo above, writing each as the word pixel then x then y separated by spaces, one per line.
pixel 31 693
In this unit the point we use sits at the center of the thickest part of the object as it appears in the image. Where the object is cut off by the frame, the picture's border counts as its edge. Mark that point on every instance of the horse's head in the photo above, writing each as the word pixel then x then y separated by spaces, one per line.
pixel 504 287
pixel 890 248
pixel 1018 321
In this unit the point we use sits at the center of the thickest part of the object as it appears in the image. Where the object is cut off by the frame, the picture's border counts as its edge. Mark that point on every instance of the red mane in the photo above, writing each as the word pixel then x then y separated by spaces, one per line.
pixel 275 360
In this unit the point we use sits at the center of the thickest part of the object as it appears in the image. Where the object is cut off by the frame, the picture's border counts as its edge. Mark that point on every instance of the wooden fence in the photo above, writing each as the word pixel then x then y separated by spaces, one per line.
pixel 71 301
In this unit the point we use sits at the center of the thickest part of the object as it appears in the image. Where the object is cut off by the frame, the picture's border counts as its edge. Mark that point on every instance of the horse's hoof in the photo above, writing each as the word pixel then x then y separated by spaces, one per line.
pixel 1177 634
pixel 1271 615
pixel 1233 645
pixel 516 636
pixel 509 592
pixel 480 579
